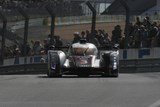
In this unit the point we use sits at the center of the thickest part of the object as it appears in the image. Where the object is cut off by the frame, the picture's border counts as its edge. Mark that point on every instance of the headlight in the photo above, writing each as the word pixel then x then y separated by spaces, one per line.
pixel 114 62
pixel 114 58
pixel 114 65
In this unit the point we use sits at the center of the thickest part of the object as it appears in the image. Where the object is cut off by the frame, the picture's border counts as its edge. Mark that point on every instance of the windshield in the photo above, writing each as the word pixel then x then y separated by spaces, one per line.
pixel 82 51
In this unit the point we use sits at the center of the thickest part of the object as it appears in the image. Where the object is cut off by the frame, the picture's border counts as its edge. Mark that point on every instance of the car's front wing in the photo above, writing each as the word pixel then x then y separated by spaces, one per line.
pixel 85 70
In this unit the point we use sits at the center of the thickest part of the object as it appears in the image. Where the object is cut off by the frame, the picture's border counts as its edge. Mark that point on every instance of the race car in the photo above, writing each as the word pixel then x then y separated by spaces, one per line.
pixel 83 59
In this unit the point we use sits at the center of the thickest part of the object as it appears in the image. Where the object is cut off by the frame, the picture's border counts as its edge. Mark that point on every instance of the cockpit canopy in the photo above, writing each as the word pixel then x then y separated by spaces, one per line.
pixel 79 49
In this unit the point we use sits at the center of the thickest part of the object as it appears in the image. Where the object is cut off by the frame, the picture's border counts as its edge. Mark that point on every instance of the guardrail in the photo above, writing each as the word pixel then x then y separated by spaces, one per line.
pixel 126 66
pixel 24 69
pixel 140 65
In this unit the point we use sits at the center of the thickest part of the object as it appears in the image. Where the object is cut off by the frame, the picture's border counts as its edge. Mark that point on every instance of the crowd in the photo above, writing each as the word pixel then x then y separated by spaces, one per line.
pixel 98 37
pixel 142 34
pixel 33 48
pixel 41 47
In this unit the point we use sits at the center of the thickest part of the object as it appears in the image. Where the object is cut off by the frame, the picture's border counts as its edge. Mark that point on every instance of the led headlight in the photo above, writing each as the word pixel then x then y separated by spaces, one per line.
pixel 114 65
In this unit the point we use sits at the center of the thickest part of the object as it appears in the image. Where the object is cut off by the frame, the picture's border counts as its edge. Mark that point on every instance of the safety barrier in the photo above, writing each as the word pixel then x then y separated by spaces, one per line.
pixel 24 69
pixel 20 60
pixel 126 66
pixel 131 60
pixel 129 54
pixel 140 65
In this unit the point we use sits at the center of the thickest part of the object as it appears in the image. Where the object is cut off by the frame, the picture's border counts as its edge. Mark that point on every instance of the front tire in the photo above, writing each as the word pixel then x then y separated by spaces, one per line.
pixel 115 73
pixel 55 73
pixel 107 63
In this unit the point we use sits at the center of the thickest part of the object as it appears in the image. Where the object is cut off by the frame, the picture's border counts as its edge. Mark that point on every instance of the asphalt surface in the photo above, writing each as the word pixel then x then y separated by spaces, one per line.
pixel 129 90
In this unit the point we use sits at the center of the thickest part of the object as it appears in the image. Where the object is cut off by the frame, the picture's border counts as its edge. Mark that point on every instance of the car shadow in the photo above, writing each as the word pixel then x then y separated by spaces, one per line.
pixel 74 76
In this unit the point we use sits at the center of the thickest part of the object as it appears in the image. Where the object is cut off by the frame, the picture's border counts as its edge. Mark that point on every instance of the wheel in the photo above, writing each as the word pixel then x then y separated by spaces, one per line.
pixel 51 74
pixel 105 62
pixel 54 66
pixel 105 74
pixel 115 73
pixel 55 73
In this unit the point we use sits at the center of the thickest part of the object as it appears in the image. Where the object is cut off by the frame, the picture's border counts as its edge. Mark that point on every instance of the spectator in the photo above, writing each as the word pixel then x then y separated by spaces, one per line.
pixel 87 35
pixel 147 23
pixel 116 34
pixel 152 34
pixel 83 35
pixel 131 42
pixel 95 41
pixel 138 22
pixel 122 43
pixel 51 40
pixel 46 45
pixel 94 38
pixel 37 47
pixel 76 37
pixel 17 52
pixel 143 37
pixel 28 49
pixel 158 36
pixel 131 29
pixel 137 36
pixel 59 42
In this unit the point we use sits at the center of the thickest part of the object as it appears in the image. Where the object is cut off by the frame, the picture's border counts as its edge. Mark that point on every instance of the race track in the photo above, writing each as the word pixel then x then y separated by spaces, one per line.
pixel 129 90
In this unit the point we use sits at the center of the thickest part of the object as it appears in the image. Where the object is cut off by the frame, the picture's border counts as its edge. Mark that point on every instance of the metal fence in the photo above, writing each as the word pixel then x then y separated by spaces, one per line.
pixel 76 20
